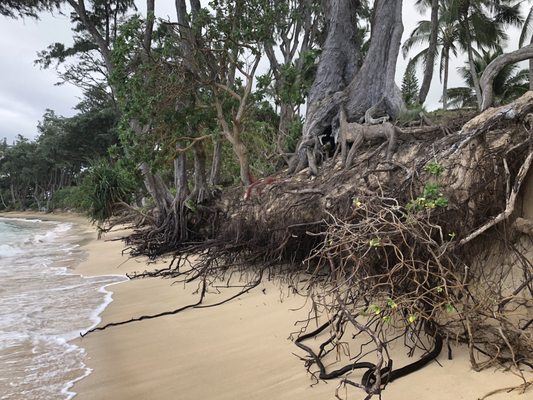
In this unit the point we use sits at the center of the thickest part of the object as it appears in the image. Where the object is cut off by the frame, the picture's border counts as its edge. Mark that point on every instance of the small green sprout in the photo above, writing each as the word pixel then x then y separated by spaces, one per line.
pixel 374 308
pixel 434 168
pixel 376 242
pixel 392 304
pixel 450 308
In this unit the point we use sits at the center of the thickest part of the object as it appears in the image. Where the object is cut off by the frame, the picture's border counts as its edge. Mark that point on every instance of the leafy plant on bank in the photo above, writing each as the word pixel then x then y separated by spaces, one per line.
pixel 432 196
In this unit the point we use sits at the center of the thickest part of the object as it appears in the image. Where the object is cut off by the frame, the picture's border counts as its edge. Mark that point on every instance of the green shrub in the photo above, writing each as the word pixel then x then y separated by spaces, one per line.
pixel 71 198
pixel 106 185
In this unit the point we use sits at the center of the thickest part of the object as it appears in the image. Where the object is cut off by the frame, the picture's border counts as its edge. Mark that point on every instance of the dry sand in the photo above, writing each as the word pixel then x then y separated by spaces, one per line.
pixel 239 350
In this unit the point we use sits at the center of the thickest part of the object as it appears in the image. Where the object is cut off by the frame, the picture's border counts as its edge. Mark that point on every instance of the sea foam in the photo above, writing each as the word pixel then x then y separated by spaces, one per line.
pixel 43 306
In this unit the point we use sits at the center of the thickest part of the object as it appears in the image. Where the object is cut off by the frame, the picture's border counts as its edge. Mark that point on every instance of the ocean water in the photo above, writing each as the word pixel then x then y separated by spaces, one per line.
pixel 43 306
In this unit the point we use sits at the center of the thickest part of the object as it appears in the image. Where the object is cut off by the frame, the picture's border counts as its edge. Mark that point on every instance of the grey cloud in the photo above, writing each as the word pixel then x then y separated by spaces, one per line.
pixel 25 90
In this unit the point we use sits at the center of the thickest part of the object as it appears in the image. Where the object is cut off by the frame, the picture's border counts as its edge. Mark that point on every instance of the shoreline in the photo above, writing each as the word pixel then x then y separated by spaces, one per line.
pixel 77 235
pixel 239 350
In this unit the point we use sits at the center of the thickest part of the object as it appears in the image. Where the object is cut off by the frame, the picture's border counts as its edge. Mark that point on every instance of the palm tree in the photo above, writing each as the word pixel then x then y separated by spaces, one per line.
pixel 447 37
pixel 431 54
pixel 482 23
pixel 509 84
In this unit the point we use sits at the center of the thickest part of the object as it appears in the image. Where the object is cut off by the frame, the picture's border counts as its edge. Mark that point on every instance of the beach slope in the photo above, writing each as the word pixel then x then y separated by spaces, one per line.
pixel 239 350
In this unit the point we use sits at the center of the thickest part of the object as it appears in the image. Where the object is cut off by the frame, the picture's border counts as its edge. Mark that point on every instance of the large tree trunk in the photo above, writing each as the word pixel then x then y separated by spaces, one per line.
pixel 495 67
pixel 372 85
pixel 337 67
pixel 286 117
pixel 432 51
pixel 338 61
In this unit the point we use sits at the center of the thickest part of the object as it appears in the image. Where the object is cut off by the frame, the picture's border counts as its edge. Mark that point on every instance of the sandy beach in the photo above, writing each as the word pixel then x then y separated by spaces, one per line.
pixel 239 350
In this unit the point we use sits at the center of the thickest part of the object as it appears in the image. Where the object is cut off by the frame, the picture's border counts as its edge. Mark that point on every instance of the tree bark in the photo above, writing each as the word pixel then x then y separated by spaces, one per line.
pixel 337 66
pixel 374 84
pixel 495 67
pixel 195 6
pixel 79 8
pixel 286 116
pixel 159 192
pixel 2 199
pixel 445 80
pixel 13 197
pixel 180 177
pixel 473 72
pixel 432 51
pixel 150 16
pixel 216 161
pixel 200 191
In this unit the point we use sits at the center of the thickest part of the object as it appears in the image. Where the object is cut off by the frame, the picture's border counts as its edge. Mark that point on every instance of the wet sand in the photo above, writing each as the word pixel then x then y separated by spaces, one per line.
pixel 239 350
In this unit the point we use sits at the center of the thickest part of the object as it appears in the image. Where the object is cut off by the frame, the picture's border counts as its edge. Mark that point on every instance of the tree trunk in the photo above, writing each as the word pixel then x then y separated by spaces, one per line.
pixel 374 84
pixel 495 67
pixel 180 177
pixel 3 202
pixel 216 162
pixel 296 39
pixel 446 56
pixel 242 155
pixel 13 198
pixel 182 191
pixel 470 52
pixel 432 51
pixel 150 16
pixel 103 47
pixel 200 192
pixel 286 116
pixel 159 192
pixel 337 66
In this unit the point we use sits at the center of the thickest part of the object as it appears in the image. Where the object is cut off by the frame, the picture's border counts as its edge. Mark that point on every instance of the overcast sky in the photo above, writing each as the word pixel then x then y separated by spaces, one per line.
pixel 26 91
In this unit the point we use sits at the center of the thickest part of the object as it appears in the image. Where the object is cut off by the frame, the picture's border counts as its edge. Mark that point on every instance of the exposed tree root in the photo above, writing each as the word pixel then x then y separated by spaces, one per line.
pixel 198 304
pixel 389 251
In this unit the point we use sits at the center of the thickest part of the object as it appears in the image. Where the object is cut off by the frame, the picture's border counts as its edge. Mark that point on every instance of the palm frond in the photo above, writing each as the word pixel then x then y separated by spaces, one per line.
pixel 526 28
pixel 460 97
pixel 508 14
